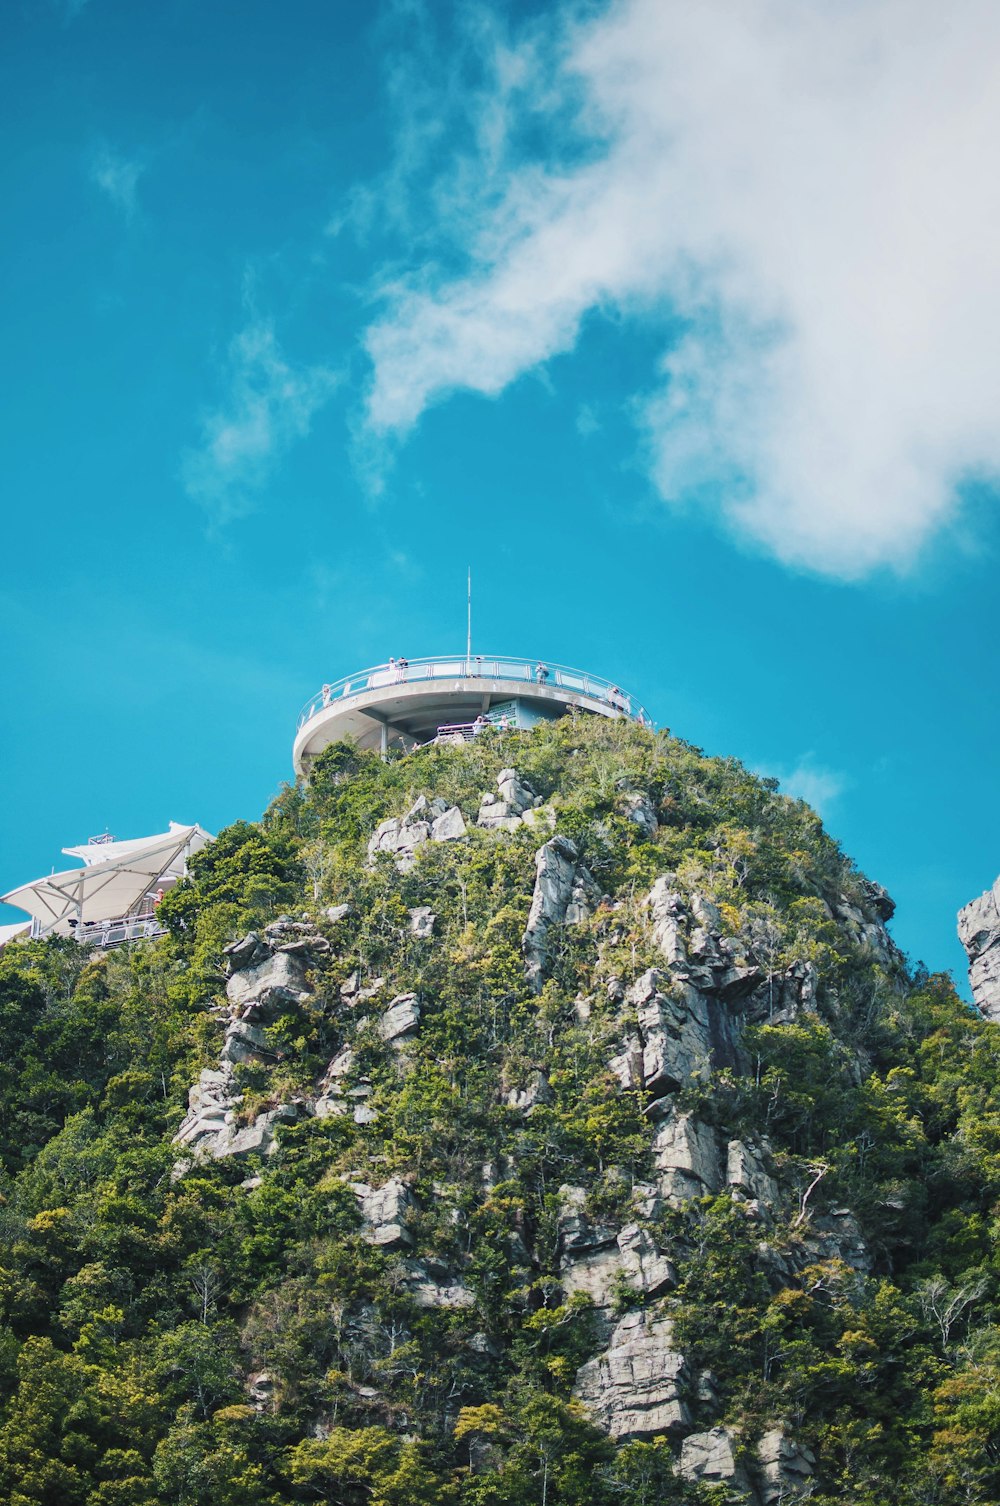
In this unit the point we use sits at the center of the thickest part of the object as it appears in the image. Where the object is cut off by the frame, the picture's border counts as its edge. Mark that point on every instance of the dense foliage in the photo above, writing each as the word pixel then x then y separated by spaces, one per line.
pixel 141 1308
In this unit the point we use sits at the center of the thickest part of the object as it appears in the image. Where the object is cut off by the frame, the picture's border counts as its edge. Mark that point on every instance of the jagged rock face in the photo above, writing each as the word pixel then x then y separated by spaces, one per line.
pixel 564 894
pixel 535 1091
pixel 422 922
pixel 693 946
pixel 635 1388
pixel 710 1458
pixel 384 1210
pixel 673 1025
pixel 785 1468
pixel 426 821
pixel 507 811
pixel 632 1261
pixel 686 1156
pixel 672 1037
pixel 979 933
pixel 638 809
pixel 746 1174
pixel 268 985
pixel 401 1019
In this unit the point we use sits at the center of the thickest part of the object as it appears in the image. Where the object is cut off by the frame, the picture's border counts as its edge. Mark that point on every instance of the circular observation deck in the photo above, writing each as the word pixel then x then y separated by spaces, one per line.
pixel 416 701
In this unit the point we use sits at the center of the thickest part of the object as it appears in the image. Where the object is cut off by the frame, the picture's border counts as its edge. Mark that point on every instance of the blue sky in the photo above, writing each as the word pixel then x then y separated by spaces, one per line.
pixel 682 332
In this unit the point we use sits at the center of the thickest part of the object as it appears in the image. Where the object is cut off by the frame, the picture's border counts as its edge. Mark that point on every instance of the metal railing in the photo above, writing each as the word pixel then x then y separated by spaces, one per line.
pixel 476 667
pixel 107 933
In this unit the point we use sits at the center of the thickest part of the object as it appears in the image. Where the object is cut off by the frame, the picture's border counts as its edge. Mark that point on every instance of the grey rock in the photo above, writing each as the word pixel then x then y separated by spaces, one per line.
pixel 577 1230
pixel 677 1036
pixel 686 1156
pixel 246 952
pixel 515 792
pixel 261 1390
pixel 784 1468
pixel 245 1042
pixel 837 1236
pixel 634 1389
pixel 426 820
pixel 542 817
pixel 211 1101
pixel 639 810
pixel 422 922
pixel 535 1091
pixel 274 983
pixel 563 889
pixel 337 913
pixel 400 1019
pixel 979 933
pixel 633 1261
pixel 710 1458
pixel 339 1066
pixel 746 1174
pixel 449 826
pixel 384 1210
pixel 668 914
pixel 865 922
pixel 431 1288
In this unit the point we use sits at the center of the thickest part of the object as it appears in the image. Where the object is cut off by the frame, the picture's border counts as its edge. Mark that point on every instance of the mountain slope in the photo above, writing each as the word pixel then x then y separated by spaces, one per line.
pixel 549 1119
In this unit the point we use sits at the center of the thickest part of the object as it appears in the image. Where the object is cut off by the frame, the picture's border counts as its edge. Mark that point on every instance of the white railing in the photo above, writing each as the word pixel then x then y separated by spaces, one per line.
pixel 108 933
pixel 476 667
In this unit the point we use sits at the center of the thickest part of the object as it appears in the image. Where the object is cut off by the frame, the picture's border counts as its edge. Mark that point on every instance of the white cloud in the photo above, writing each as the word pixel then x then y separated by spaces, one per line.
pixel 118 177
pixel 810 188
pixel 270 405
pixel 811 782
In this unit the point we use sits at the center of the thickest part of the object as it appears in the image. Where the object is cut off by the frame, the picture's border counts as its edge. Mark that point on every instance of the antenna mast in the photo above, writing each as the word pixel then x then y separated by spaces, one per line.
pixel 468 636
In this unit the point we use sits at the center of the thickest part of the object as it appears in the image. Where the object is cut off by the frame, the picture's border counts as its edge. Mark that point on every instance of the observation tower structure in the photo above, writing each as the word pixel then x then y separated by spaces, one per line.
pixel 409 702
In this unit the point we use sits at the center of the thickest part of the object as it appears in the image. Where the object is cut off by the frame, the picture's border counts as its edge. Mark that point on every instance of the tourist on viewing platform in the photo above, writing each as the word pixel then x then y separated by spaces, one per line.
pixel 326 695
pixel 616 697
pixel 504 723
pixel 402 666
pixel 541 672
pixel 479 725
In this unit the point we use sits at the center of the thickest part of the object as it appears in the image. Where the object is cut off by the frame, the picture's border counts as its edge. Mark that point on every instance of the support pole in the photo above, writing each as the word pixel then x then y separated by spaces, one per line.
pixel 468 636
pixel 384 748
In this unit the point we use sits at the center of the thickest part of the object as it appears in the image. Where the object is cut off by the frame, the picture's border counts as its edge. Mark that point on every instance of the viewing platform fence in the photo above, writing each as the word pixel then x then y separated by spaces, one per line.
pixel 143 926
pixel 476 667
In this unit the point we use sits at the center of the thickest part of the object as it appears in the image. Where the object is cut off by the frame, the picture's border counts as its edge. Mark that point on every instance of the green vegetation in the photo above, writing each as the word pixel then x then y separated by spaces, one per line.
pixel 231 1336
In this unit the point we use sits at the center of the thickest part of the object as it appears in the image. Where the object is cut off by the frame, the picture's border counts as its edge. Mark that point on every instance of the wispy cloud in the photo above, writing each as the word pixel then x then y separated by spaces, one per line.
pixel 808 191
pixel 809 781
pixel 117 176
pixel 270 405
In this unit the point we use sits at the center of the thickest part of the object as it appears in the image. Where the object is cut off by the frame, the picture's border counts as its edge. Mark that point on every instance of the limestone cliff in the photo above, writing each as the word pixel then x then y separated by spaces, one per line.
pixel 979 933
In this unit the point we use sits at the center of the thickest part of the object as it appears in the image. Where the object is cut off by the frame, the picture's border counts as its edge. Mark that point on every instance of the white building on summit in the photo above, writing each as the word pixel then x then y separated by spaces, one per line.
pixel 113 897
pixel 407 702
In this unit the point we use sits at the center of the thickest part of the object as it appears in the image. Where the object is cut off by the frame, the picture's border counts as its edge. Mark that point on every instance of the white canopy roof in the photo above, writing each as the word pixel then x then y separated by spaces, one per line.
pixel 8 933
pixel 111 886
pixel 192 838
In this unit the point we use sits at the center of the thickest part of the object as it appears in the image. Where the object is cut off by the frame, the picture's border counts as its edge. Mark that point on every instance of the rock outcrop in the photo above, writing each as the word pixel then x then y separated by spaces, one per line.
pixel 711 1458
pixel 384 1210
pixel 268 976
pixel 565 894
pixel 426 821
pixel 687 1159
pixel 635 1388
pixel 506 810
pixel 784 1468
pixel 674 1033
pixel 979 933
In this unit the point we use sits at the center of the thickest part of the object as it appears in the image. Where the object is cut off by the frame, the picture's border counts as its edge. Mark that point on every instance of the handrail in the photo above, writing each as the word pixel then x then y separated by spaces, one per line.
pixel 478 667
